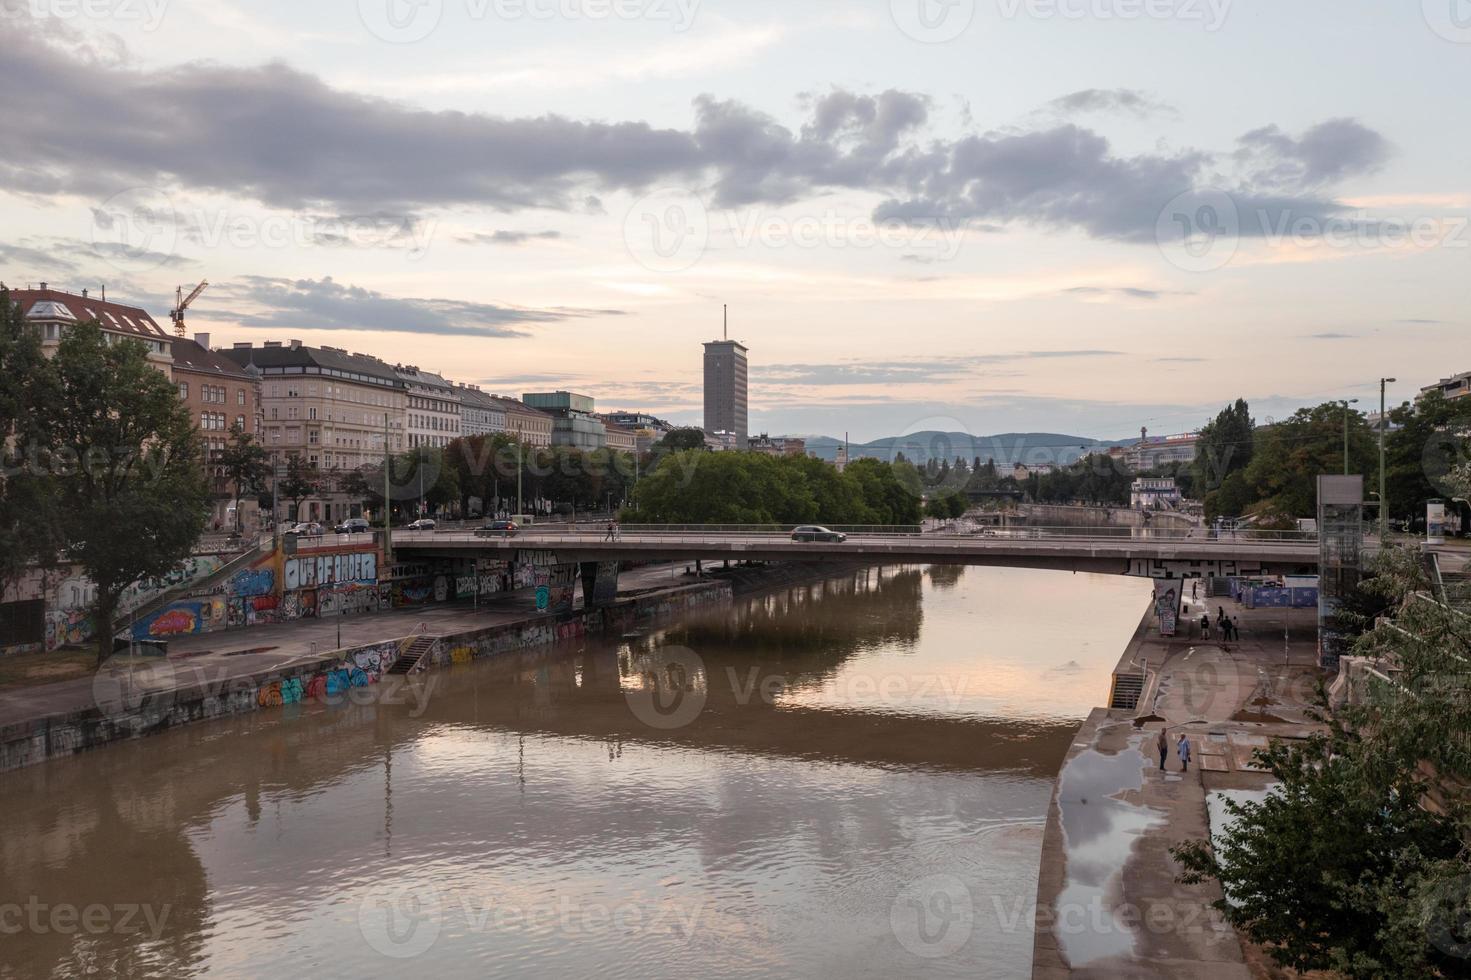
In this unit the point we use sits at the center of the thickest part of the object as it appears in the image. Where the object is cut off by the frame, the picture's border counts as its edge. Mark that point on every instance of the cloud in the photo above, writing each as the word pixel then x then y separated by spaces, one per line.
pixel 290 140
pixel 1421 323
pixel 1126 101
pixel 1131 292
pixel 312 304
pixel 29 257
pixel 908 371
pixel 507 237
pixel 1326 153
pixel 1331 336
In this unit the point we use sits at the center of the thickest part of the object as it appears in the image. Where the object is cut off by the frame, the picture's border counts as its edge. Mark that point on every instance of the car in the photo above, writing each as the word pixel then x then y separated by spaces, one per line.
pixel 816 532
pixel 423 524
pixel 353 525
pixel 502 527
pixel 307 529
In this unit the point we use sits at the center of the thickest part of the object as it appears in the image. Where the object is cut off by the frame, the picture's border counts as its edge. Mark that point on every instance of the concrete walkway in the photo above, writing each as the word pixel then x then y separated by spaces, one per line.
pixel 231 654
pixel 1108 902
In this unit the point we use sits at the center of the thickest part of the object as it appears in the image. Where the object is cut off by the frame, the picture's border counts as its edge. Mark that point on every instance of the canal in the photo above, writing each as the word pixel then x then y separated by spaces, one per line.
pixel 847 778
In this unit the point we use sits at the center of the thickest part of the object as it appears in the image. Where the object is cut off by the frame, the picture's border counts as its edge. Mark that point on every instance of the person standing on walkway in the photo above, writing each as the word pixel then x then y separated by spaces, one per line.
pixel 1164 749
pixel 1183 747
pixel 611 531
pixel 1205 626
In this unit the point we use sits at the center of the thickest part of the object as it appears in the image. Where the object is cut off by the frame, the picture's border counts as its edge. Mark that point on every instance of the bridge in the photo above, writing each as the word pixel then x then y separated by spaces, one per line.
pixel 1147 552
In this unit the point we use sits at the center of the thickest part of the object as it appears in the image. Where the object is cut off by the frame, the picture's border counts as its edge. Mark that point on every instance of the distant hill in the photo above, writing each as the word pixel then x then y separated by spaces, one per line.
pixel 1006 448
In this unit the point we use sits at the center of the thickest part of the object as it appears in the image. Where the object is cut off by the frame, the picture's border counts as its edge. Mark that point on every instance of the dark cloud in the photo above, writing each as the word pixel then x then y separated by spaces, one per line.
pixel 323 304
pixel 909 371
pixel 1331 336
pixel 1133 292
pixel 284 137
pixel 1421 323
pixel 1324 154
pixel 507 237
pixel 29 258
pixel 1122 100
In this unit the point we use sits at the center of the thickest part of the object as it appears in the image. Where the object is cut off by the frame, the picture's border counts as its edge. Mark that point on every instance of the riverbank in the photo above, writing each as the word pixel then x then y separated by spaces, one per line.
pixel 211 676
pixel 1108 904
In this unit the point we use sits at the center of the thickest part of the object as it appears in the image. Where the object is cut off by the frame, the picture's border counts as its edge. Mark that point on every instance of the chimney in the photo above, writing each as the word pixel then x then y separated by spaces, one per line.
pixel 43 287
pixel 84 292
pixel 242 345
pixel 296 345
pixel 272 343
pixel 202 339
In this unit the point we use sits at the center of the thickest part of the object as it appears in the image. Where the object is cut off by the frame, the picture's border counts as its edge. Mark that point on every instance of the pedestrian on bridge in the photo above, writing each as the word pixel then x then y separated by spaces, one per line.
pixel 1183 747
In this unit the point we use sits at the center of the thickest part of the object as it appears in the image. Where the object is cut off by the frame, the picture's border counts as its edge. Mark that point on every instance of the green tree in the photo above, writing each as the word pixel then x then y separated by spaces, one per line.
pixel 1291 455
pixel 129 480
pixel 1225 447
pixel 1429 440
pixel 681 440
pixel 1344 867
pixel 28 530
pixel 244 463
pixel 302 480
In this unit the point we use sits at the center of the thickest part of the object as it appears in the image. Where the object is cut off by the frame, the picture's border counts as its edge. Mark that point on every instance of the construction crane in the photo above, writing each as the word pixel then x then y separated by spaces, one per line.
pixel 177 313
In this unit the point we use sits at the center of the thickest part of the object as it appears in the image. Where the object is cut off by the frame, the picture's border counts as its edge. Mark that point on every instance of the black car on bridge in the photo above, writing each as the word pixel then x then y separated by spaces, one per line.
pixel 815 532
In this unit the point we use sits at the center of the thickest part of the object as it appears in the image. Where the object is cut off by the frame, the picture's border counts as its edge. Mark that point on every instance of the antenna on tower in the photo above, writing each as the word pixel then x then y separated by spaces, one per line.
pixel 726 315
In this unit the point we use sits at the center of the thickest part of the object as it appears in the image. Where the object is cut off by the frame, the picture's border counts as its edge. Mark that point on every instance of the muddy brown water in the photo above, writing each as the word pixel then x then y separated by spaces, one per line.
pixel 843 779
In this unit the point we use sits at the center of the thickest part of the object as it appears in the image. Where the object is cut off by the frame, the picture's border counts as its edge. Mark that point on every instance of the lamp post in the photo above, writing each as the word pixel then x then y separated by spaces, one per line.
pixel 1346 403
pixel 1383 488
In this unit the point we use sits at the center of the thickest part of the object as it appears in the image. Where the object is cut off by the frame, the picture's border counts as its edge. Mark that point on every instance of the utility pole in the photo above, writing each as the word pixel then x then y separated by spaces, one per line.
pixel 520 507
pixel 1346 403
pixel 1383 483
pixel 387 509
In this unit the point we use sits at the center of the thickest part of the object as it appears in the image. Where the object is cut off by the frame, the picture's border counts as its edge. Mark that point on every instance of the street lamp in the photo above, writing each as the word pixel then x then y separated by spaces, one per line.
pixel 1346 403
pixel 1383 491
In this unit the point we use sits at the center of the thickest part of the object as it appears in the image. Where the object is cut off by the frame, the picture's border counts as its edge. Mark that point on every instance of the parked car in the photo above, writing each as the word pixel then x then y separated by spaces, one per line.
pixel 353 525
pixel 423 524
pixel 815 532
pixel 308 529
pixel 507 528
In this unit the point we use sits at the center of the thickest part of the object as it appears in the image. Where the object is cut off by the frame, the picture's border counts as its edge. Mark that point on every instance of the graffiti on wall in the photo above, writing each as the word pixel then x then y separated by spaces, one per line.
pixel 310 572
pixel 181 619
pixel 252 582
pixel 1181 569
pixel 555 588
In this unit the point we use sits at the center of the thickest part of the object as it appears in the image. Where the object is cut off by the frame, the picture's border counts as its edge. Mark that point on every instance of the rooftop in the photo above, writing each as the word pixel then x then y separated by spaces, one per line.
pixel 54 304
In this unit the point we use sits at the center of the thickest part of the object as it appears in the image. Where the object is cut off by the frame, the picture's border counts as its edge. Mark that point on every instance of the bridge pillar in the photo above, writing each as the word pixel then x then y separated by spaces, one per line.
pixel 599 583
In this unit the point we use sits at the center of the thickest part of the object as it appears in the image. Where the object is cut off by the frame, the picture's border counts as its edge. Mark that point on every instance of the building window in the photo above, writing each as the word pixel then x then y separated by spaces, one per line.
pixel 183 389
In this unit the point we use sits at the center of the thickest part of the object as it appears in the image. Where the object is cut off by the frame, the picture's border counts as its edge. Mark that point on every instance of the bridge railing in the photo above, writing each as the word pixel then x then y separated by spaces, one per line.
pixel 888 530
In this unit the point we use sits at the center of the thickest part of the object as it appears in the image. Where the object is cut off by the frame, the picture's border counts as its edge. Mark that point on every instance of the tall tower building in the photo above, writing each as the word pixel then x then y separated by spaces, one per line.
pixel 725 389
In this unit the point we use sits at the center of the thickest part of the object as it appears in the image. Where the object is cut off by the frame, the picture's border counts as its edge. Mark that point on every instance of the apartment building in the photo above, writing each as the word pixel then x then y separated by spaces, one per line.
pixel 220 396
pixel 480 413
pixel 1456 386
pixel 53 312
pixel 619 438
pixel 433 417
pixel 326 405
pixel 530 426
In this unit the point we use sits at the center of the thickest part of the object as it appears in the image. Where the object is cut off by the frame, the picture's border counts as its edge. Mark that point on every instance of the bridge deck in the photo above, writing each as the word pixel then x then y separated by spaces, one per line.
pixel 1079 551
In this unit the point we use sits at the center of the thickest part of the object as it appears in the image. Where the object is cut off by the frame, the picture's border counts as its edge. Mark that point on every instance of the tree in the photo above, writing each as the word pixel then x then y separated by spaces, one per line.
pixel 128 475
pixel 302 480
pixel 682 440
pixel 28 532
pixel 245 466
pixel 1290 456
pixel 1428 441
pixel 1383 894
pixel 1225 447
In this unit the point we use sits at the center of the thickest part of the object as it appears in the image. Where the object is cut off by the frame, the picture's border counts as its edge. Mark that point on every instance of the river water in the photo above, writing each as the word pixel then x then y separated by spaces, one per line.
pixel 842 779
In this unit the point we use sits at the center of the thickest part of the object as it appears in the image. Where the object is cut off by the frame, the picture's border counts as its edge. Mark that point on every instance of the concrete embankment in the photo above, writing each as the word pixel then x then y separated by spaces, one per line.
pixel 144 698
pixel 1108 903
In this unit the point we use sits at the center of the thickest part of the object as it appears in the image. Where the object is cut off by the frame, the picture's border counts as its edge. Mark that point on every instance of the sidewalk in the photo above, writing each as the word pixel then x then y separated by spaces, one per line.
pixel 231 654
pixel 1108 903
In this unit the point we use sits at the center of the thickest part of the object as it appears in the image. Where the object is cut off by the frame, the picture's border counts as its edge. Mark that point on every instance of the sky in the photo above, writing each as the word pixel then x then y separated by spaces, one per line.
pixel 984 216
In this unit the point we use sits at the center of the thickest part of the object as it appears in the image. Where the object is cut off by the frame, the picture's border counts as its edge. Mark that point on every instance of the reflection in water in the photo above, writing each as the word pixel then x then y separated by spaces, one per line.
pixel 769 789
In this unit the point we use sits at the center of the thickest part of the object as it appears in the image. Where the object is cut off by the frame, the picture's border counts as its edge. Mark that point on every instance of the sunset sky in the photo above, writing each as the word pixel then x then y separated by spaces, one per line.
pixel 924 214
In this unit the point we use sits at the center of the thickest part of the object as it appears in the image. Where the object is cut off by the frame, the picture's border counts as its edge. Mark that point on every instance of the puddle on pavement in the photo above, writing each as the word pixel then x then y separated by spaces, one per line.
pixel 1098 832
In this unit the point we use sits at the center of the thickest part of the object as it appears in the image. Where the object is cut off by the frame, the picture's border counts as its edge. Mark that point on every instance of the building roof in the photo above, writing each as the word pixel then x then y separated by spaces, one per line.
pixel 475 397
pixel 512 405
pixel 53 304
pixel 191 357
pixel 324 358
pixel 413 375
